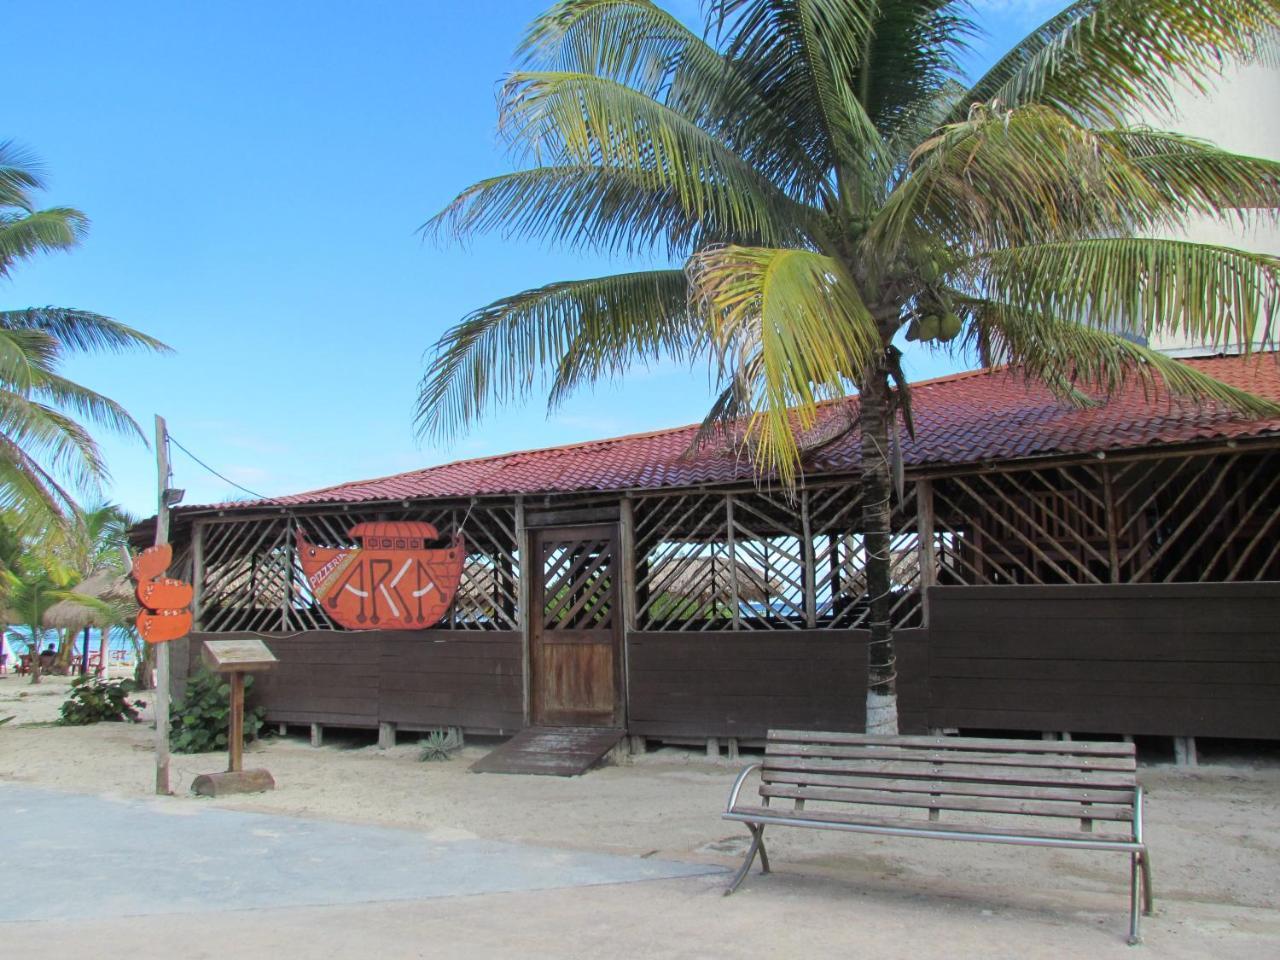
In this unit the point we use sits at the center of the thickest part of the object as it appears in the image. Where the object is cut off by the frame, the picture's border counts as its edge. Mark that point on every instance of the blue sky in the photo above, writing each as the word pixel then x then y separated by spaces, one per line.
pixel 255 173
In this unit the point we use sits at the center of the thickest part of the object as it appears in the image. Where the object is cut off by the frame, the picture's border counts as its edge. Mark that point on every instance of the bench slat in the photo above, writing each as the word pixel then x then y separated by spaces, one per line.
pixel 1030 808
pixel 1082 747
pixel 883 754
pixel 1030 776
pixel 1090 794
pixel 764 814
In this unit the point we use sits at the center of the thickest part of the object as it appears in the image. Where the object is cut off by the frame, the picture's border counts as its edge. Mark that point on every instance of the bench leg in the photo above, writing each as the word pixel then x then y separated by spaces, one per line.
pixel 1135 882
pixel 757 846
pixel 1148 896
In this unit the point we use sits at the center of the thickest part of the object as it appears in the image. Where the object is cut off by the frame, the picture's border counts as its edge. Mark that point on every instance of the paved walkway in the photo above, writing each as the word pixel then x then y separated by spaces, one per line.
pixel 73 856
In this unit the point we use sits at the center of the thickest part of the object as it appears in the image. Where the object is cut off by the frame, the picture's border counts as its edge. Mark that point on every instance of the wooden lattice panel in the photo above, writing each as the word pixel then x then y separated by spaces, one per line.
pixel 577 582
pixel 840 560
pixel 1036 526
pixel 757 561
pixel 683 563
pixel 1198 519
pixel 1209 518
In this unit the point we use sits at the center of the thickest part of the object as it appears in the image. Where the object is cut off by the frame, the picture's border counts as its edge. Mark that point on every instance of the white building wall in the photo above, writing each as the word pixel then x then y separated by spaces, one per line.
pixel 1241 114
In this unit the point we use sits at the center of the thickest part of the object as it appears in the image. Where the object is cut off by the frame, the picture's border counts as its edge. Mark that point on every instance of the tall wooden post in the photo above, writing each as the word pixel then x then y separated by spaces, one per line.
pixel 810 565
pixel 524 603
pixel 925 545
pixel 162 649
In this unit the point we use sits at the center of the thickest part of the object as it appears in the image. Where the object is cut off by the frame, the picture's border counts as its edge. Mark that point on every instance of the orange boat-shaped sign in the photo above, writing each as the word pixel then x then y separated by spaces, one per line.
pixel 393 581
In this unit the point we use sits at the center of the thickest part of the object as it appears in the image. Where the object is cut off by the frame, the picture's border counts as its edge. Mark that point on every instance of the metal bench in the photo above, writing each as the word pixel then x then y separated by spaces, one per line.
pixel 993 791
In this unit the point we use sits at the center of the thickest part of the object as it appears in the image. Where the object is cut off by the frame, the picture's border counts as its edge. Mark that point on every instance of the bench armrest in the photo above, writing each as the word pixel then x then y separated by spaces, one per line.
pixel 737 786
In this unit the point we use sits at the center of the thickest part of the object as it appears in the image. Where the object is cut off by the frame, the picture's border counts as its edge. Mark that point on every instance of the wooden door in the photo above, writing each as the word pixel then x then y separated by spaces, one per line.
pixel 575 628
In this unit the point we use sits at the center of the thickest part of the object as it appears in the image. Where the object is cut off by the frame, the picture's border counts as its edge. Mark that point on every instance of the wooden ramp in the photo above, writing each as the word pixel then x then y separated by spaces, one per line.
pixel 550 751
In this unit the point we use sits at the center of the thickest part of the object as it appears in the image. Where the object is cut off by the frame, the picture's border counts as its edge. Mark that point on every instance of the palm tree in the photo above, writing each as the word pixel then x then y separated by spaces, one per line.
pixel 42 443
pixel 35 582
pixel 826 180
pixel 93 544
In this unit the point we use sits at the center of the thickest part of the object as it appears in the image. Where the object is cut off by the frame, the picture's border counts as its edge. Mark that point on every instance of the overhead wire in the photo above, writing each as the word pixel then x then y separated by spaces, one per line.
pixel 253 493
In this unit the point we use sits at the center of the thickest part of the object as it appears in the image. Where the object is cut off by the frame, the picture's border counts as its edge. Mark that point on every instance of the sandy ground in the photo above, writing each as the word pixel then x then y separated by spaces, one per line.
pixel 1215 853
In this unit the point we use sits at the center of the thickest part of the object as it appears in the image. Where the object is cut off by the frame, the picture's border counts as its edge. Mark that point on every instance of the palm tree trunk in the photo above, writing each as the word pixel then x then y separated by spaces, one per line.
pixel 882 689
pixel 37 638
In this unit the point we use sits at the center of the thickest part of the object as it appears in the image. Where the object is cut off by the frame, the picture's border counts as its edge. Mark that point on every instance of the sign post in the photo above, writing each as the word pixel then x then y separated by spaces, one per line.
pixel 235 658
pixel 162 650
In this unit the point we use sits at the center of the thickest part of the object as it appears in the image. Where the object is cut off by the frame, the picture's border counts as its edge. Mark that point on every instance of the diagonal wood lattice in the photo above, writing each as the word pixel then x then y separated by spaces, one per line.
pixel 577 583
pixel 1204 518
pixel 759 560
pixel 251 579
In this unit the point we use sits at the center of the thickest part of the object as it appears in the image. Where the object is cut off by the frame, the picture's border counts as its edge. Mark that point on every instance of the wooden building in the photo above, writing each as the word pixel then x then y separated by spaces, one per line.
pixel 1112 570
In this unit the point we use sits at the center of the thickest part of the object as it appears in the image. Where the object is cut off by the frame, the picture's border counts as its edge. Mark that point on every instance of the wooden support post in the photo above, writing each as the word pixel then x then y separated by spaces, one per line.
pixel 1184 752
pixel 283 729
pixel 639 745
pixel 235 735
pixel 386 736
pixel 810 565
pixel 1112 521
pixel 733 748
pixel 733 567
pixel 924 544
pixel 161 699
pixel 317 735
pixel 524 593
pixel 627 546
pixel 713 748
pixel 197 573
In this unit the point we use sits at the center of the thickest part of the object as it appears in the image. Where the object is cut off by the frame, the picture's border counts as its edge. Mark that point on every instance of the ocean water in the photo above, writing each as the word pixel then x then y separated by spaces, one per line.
pixel 119 645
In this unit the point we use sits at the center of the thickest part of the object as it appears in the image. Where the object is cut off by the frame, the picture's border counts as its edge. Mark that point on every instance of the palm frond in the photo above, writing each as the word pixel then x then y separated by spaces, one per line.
pixel 81 331
pixel 28 490
pixel 49 434
pixel 24 356
pixel 1191 176
pixel 1073 360
pixel 1098 60
pixel 43 231
pixel 803 57
pixel 86 403
pixel 1211 294
pixel 1034 174
pixel 641 45
pixel 608 209
pixel 20 174
pixel 791 327
pixel 575 331
pixel 580 119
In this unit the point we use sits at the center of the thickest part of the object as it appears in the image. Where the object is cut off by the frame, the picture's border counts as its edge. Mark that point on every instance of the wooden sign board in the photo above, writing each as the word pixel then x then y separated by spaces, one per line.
pixel 241 655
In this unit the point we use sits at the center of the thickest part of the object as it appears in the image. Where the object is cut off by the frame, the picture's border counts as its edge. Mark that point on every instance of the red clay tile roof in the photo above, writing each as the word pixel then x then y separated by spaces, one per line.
pixel 975 417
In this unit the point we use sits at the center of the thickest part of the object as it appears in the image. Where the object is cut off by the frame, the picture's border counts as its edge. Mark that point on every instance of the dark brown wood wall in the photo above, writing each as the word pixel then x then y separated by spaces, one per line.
pixel 742 684
pixel 1163 659
pixel 418 679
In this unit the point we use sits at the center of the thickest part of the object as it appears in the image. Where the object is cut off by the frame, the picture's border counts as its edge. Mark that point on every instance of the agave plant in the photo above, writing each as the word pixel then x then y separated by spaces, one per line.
pixel 825 179
pixel 43 444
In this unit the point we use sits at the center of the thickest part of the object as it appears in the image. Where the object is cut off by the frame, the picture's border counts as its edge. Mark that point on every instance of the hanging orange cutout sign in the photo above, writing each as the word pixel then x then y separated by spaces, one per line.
pixel 165 613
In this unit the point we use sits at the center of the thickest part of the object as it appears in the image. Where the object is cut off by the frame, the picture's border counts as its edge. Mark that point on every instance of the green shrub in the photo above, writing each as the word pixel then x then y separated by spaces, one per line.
pixel 198 723
pixel 93 700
